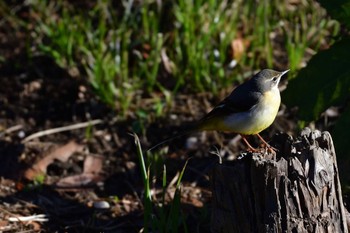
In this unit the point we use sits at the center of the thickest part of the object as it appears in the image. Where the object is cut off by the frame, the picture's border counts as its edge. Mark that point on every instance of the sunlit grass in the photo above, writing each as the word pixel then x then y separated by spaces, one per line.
pixel 131 48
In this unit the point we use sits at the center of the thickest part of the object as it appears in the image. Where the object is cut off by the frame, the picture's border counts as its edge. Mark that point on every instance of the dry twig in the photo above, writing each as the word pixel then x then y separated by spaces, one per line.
pixel 61 129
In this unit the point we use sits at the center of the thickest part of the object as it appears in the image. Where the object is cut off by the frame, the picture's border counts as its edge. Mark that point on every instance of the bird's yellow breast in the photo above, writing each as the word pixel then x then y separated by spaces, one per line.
pixel 265 112
pixel 272 100
pixel 253 121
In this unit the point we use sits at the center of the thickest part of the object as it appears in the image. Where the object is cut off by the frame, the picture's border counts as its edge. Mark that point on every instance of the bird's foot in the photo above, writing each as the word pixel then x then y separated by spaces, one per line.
pixel 269 148
pixel 253 150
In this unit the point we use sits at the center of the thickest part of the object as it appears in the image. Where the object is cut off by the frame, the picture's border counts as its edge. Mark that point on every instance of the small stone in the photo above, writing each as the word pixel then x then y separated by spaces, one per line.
pixel 101 205
pixel 192 143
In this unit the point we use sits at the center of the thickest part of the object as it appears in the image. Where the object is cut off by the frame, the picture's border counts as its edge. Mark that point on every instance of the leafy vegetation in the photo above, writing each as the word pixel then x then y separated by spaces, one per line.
pixel 325 81
pixel 125 49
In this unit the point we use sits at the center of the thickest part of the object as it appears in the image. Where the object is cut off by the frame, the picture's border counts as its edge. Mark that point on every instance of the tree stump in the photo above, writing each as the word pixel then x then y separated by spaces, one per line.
pixel 296 191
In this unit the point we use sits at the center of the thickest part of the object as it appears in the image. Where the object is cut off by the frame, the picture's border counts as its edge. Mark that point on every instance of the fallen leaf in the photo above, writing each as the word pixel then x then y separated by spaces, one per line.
pixel 239 47
pixel 61 153
pixel 3 223
pixel 90 176
pixel 167 62
pixel 93 164
pixel 35 226
pixel 79 181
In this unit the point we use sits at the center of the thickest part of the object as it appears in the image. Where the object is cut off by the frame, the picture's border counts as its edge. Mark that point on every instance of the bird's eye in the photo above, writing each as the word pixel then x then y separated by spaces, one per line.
pixel 274 79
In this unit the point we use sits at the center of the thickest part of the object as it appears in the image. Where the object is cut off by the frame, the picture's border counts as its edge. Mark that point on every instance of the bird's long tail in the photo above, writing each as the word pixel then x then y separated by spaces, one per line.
pixel 180 134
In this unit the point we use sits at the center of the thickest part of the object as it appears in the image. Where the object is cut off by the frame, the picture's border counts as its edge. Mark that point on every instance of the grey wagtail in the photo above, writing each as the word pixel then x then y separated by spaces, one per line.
pixel 249 109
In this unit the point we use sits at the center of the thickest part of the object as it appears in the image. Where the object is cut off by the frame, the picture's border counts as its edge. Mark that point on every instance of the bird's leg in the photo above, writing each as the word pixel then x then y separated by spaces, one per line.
pixel 266 144
pixel 252 149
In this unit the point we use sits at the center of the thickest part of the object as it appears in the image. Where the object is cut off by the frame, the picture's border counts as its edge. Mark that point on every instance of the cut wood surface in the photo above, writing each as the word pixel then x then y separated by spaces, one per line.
pixel 296 190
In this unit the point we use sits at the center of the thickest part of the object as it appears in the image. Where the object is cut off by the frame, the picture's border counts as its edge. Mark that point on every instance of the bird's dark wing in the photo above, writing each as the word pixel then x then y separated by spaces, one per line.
pixel 241 99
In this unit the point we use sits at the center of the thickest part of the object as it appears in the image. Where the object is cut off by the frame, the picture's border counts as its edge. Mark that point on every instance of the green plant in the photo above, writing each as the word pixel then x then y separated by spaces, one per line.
pixel 129 50
pixel 158 218
pixel 305 32
pixel 97 42
pixel 203 30
pixel 325 81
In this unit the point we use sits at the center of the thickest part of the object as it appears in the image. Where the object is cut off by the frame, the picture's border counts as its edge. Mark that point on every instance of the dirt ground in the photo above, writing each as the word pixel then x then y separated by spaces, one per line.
pixel 88 179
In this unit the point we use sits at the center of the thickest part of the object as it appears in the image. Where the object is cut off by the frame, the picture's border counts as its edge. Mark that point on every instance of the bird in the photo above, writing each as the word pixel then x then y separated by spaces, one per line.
pixel 249 109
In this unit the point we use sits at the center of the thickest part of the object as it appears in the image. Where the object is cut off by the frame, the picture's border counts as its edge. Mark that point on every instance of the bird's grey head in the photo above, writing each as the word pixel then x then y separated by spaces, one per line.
pixel 268 79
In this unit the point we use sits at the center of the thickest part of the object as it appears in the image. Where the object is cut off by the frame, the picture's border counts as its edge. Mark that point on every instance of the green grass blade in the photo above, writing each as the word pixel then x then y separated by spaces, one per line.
pixel 146 183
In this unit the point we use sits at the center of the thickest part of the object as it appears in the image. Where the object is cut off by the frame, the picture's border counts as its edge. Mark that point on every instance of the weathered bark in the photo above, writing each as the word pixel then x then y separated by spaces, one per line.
pixel 297 191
